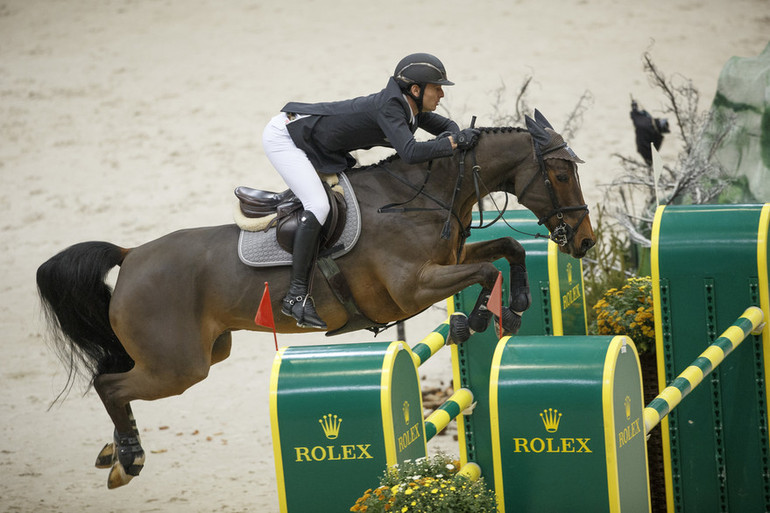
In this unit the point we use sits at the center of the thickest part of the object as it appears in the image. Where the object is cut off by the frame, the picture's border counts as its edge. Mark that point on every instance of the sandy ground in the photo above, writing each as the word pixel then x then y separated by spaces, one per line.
pixel 123 120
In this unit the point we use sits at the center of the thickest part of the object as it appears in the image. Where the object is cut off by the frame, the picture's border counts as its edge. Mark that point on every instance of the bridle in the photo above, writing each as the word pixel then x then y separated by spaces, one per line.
pixel 563 233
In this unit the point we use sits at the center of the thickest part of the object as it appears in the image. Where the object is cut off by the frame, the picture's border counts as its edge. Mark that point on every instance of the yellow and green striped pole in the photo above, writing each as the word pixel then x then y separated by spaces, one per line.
pixel 428 346
pixel 749 322
pixel 470 472
pixel 451 408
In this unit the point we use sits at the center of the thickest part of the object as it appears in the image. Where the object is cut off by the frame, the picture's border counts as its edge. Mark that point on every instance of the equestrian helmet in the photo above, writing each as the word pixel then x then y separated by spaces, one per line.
pixel 421 69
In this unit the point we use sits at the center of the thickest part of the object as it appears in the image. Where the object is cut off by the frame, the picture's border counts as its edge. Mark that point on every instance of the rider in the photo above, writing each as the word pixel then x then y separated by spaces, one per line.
pixel 307 139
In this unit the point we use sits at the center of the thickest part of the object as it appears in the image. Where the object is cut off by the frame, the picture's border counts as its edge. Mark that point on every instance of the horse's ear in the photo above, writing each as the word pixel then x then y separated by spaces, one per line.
pixel 541 120
pixel 538 132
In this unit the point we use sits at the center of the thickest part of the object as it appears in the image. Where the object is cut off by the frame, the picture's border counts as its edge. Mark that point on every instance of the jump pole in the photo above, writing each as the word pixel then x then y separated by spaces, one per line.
pixel 457 403
pixel 430 345
pixel 750 322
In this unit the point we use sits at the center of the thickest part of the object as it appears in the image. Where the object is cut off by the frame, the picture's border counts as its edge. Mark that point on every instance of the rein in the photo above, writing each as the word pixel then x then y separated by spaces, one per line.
pixel 392 208
pixel 446 231
pixel 561 235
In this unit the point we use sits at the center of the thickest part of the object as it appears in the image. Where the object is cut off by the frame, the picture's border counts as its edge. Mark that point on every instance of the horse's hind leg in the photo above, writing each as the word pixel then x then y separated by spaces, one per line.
pixel 163 367
pixel 108 455
pixel 125 455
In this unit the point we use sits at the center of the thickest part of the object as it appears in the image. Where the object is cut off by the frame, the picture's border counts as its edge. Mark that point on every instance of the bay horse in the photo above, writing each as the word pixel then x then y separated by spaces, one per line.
pixel 177 299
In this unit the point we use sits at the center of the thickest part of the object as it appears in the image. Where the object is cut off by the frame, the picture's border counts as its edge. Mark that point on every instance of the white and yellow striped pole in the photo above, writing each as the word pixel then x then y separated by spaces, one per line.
pixel 451 408
pixel 751 321
pixel 428 346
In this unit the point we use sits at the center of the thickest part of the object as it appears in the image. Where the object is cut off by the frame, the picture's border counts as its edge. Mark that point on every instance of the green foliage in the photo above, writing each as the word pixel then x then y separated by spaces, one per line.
pixel 427 485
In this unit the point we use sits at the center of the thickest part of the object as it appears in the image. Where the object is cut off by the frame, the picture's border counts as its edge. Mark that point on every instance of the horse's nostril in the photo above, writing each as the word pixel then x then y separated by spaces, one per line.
pixel 587 244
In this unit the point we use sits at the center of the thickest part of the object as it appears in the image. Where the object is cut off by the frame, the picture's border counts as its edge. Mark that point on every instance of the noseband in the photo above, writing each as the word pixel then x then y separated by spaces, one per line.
pixel 563 233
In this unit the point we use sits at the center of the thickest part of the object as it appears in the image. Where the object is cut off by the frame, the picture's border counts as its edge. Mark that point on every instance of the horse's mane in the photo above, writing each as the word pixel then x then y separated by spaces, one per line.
pixel 484 130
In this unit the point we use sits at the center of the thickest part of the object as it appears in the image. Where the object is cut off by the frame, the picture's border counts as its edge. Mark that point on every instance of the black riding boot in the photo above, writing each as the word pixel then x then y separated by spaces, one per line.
pixel 298 303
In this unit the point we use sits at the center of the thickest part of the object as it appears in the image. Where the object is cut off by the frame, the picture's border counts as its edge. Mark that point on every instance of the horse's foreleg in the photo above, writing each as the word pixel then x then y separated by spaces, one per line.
pixel 513 252
pixel 441 281
pixel 520 297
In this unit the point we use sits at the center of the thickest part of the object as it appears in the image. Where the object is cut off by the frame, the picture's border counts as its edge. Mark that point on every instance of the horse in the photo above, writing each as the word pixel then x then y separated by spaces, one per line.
pixel 177 299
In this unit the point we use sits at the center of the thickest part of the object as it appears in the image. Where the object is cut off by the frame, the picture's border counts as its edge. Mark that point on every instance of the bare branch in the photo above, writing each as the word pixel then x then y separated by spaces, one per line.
pixel 575 118
pixel 520 104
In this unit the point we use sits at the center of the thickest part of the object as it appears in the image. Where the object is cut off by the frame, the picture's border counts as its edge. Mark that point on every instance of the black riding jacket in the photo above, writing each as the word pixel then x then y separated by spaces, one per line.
pixel 333 129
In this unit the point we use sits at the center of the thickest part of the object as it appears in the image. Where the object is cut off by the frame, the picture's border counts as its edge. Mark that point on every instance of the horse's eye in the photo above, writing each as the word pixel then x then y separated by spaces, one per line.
pixel 563 178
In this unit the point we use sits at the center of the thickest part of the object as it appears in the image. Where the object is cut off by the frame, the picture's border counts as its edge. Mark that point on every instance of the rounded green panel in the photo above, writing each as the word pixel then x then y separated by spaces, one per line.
pixel 402 398
pixel 340 415
pixel 549 399
pixel 708 265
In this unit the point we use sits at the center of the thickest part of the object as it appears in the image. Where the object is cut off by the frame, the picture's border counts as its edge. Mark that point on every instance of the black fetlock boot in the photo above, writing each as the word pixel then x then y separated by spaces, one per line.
pixel 298 303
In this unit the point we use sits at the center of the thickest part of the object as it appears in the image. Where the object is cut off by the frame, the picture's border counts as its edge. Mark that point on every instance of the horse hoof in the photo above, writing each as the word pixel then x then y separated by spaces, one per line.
pixel 511 322
pixel 459 330
pixel 106 456
pixel 118 477
pixel 479 321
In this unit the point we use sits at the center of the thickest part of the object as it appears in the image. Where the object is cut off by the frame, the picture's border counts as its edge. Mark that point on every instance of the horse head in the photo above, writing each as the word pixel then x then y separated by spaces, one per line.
pixel 550 188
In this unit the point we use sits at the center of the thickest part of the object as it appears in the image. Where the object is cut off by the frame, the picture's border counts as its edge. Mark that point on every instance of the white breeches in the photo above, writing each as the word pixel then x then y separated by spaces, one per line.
pixel 294 167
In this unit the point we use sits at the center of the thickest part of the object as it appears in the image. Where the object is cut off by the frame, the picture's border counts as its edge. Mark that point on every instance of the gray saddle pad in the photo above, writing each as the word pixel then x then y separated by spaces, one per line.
pixel 261 249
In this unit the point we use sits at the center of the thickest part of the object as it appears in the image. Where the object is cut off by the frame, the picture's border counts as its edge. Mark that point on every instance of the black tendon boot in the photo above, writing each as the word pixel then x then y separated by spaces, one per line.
pixel 298 303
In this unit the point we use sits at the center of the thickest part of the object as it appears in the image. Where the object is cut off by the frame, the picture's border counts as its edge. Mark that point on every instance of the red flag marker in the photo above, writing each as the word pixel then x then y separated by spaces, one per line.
pixel 264 315
pixel 495 303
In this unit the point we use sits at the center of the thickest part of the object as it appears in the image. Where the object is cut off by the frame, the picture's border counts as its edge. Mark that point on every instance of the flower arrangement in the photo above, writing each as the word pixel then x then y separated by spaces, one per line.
pixel 628 311
pixel 428 484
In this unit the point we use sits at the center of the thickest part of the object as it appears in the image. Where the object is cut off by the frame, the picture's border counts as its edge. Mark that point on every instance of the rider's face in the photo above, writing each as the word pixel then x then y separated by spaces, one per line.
pixel 431 97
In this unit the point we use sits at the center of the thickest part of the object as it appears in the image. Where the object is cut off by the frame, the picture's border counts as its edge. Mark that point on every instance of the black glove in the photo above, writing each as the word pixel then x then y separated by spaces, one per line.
pixel 467 138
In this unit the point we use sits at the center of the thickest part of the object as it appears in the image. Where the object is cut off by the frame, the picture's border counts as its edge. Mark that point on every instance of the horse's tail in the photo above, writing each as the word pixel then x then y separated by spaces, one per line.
pixel 76 301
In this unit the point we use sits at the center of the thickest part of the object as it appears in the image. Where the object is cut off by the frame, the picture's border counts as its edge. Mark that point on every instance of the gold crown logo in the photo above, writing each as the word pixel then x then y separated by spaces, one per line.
pixel 331 425
pixel 405 409
pixel 569 272
pixel 628 407
pixel 551 419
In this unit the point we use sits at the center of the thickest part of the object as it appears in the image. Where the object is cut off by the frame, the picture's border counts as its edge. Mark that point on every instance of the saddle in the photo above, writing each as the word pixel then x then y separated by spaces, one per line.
pixel 281 210
pixel 259 211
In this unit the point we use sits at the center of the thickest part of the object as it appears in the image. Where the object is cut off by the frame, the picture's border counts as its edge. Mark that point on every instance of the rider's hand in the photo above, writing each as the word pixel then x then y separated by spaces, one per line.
pixel 466 138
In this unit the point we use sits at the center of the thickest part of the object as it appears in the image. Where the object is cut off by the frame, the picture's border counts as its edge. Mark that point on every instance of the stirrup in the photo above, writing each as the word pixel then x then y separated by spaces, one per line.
pixel 302 309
